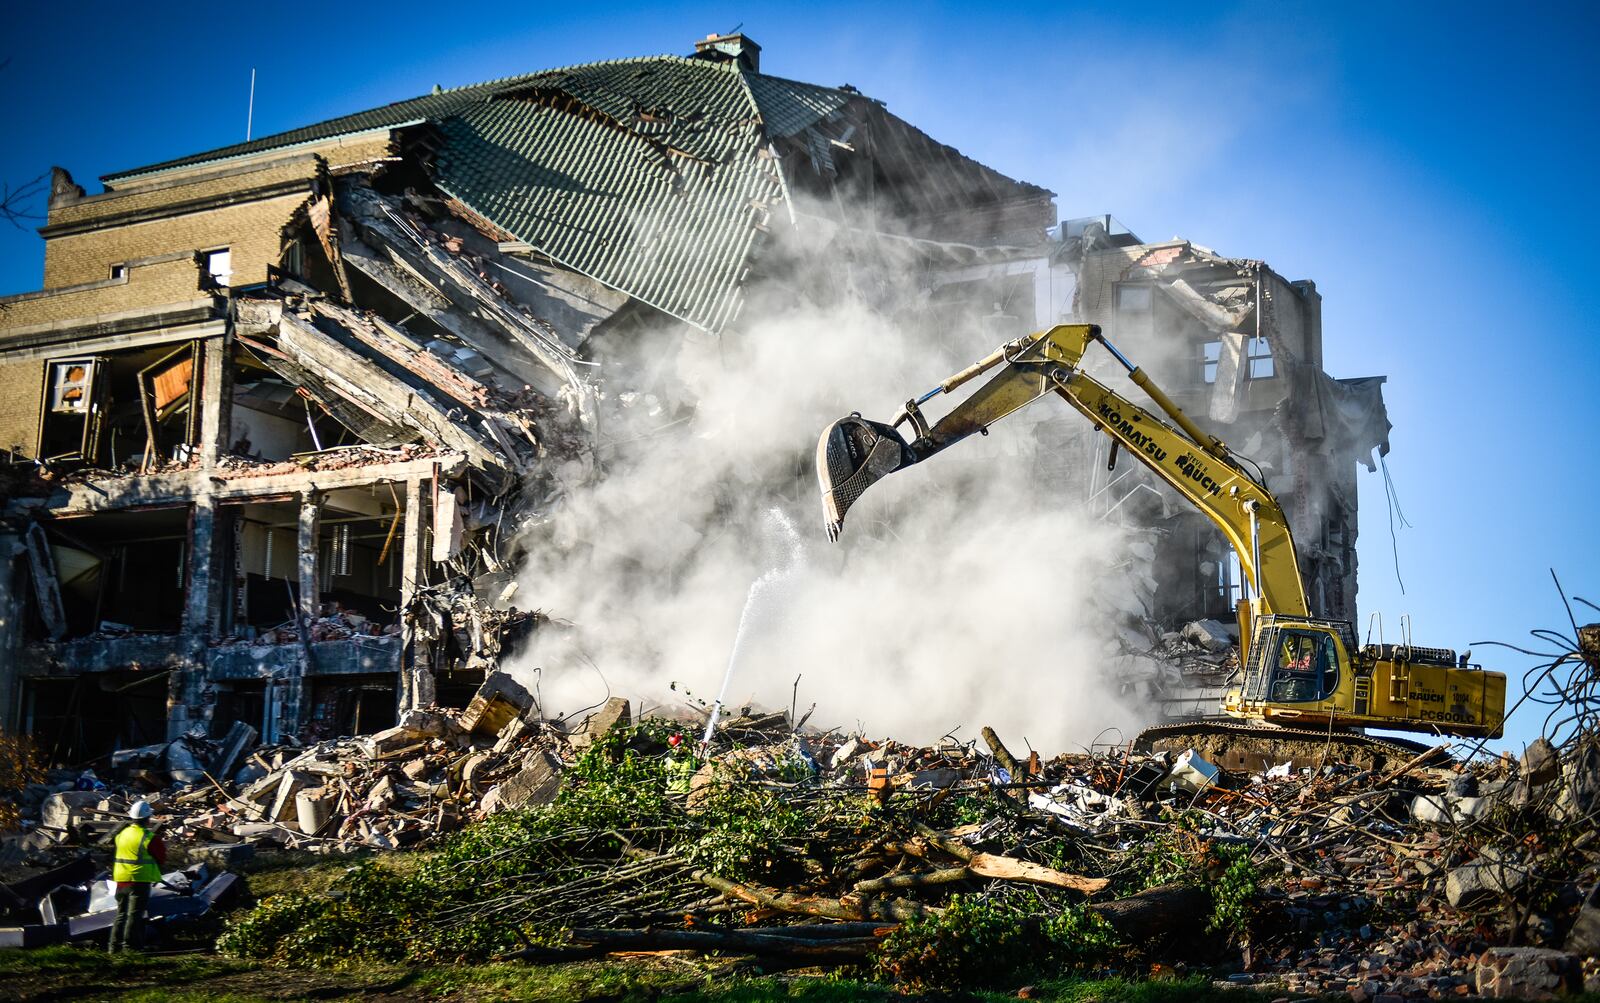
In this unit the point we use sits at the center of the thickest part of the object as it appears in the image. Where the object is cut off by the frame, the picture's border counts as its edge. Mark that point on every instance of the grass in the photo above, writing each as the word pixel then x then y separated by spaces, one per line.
pixel 58 973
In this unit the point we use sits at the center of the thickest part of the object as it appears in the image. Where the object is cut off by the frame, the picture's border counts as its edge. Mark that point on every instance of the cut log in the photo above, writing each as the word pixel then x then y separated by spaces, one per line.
pixel 990 865
pixel 1156 913
pixel 1002 754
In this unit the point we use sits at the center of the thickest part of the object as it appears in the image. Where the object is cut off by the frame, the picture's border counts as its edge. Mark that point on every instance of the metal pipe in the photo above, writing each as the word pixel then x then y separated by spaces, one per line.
pixel 1142 380
pixel 977 369
pixel 1255 543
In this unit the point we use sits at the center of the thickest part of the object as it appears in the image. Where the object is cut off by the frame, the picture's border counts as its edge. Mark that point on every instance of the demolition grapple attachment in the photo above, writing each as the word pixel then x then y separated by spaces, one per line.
pixel 852 454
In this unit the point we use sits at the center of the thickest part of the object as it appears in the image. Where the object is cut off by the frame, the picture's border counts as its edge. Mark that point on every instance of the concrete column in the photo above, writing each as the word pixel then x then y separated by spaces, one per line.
pixel 186 706
pixel 416 687
pixel 291 712
pixel 308 564
pixel 216 398
pixel 10 634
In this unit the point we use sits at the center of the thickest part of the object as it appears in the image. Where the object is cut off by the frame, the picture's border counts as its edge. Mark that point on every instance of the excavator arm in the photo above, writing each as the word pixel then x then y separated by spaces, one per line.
pixel 854 452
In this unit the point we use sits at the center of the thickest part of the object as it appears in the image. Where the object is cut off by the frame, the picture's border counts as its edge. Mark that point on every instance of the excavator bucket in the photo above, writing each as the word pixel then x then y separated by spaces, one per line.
pixel 852 454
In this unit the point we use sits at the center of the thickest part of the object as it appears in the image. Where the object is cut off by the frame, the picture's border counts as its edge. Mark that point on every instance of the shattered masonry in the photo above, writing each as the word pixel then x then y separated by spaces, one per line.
pixel 278 411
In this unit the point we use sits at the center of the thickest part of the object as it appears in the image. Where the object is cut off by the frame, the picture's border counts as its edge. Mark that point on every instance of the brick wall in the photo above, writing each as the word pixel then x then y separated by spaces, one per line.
pixel 118 203
pixel 20 389
pixel 251 230
pixel 173 280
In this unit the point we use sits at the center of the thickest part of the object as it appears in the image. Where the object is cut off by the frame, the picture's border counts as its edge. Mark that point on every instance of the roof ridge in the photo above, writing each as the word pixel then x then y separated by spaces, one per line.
pixel 265 143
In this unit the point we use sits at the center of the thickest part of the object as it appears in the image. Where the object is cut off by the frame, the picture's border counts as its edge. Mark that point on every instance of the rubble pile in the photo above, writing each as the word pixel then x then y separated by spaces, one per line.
pixel 1431 877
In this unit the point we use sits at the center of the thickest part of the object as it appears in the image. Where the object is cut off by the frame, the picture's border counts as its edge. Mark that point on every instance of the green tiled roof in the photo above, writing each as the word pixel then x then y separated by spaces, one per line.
pixel 648 174
pixel 390 115
pixel 654 184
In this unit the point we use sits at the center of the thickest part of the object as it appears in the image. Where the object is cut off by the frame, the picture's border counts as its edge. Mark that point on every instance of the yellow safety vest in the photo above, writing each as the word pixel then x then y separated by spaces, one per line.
pixel 133 861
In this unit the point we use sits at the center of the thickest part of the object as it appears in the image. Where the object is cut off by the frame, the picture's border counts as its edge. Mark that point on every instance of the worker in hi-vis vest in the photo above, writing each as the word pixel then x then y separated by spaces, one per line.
pixel 135 867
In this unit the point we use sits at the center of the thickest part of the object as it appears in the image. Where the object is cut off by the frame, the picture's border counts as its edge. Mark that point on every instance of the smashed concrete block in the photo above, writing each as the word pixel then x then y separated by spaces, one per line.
pixel 499 701
pixel 382 794
pixel 290 784
pixel 1584 937
pixel 240 737
pixel 614 713
pixel 514 730
pixel 1483 880
pixel 1540 763
pixel 313 808
pixel 415 769
pixel 1442 809
pixel 1212 635
pixel 66 810
pixel 846 752
pixel 223 855
pixel 537 784
pixel 416 729
pixel 1528 973
pixel 182 764
pixel 934 779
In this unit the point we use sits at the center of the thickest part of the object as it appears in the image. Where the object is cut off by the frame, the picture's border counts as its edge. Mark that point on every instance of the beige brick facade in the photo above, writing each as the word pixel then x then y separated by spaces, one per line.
pixel 240 206
pixel 174 279
pixel 251 230
pixel 21 386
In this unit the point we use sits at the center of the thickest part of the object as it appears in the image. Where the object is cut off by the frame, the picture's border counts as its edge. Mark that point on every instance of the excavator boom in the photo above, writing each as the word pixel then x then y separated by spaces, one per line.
pixel 854 452
pixel 1296 670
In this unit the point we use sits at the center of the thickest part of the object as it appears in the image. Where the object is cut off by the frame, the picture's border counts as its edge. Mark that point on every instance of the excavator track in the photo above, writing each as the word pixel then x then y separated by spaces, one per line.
pixel 1237 745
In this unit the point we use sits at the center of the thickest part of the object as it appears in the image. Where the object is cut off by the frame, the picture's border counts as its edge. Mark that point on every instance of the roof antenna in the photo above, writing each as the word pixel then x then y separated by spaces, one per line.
pixel 250 113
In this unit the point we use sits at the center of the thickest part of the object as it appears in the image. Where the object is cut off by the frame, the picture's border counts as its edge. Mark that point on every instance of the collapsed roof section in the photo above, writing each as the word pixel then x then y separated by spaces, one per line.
pixel 659 176
pixel 1243 298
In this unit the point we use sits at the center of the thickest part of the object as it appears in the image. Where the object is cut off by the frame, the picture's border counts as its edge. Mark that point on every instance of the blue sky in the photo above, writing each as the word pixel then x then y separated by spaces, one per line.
pixel 1431 166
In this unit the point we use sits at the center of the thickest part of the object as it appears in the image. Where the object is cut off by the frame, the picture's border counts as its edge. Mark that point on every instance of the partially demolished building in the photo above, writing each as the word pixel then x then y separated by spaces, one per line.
pixel 273 412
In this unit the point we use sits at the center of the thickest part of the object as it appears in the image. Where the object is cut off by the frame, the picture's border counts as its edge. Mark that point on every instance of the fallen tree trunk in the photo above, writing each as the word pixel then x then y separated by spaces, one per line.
pixel 923 879
pixel 989 865
pixel 771 898
pixel 765 945
pixel 1155 913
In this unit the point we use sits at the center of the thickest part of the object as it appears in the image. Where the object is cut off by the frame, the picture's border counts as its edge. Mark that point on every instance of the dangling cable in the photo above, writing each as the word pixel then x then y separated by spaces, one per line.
pixel 1393 498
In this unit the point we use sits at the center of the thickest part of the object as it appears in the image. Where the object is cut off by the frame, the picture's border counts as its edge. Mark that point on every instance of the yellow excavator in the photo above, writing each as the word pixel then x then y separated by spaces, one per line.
pixel 1302 677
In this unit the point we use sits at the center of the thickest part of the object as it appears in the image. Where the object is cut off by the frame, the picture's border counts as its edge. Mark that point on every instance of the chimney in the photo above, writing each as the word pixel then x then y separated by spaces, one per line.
pixel 721 48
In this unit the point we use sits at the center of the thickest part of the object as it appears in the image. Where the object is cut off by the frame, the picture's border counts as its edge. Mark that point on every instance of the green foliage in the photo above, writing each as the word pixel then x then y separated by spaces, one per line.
pixel 260 933
pixel 19 766
pixel 978 943
pixel 1183 854
pixel 744 827
pixel 1233 892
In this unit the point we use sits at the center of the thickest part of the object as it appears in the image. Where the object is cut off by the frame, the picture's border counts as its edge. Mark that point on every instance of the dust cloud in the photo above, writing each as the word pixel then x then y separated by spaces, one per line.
pixel 962 592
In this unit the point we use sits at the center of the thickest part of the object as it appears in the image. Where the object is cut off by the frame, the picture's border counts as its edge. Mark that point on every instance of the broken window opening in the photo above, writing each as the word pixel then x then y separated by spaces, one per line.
pixel 121 411
pixel 294 258
pixel 358 550
pixel 219 266
pixel 352 705
pixel 1134 298
pixel 1210 358
pixel 120 573
pixel 1258 355
pixel 95 713
pixel 119 271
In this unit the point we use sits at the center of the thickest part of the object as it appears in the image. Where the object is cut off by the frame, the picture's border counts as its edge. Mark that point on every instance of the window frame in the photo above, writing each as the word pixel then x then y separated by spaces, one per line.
pixel 1251 356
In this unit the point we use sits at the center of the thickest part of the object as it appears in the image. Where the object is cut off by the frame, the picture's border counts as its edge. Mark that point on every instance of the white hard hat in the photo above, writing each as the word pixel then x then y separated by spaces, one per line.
pixel 140 811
